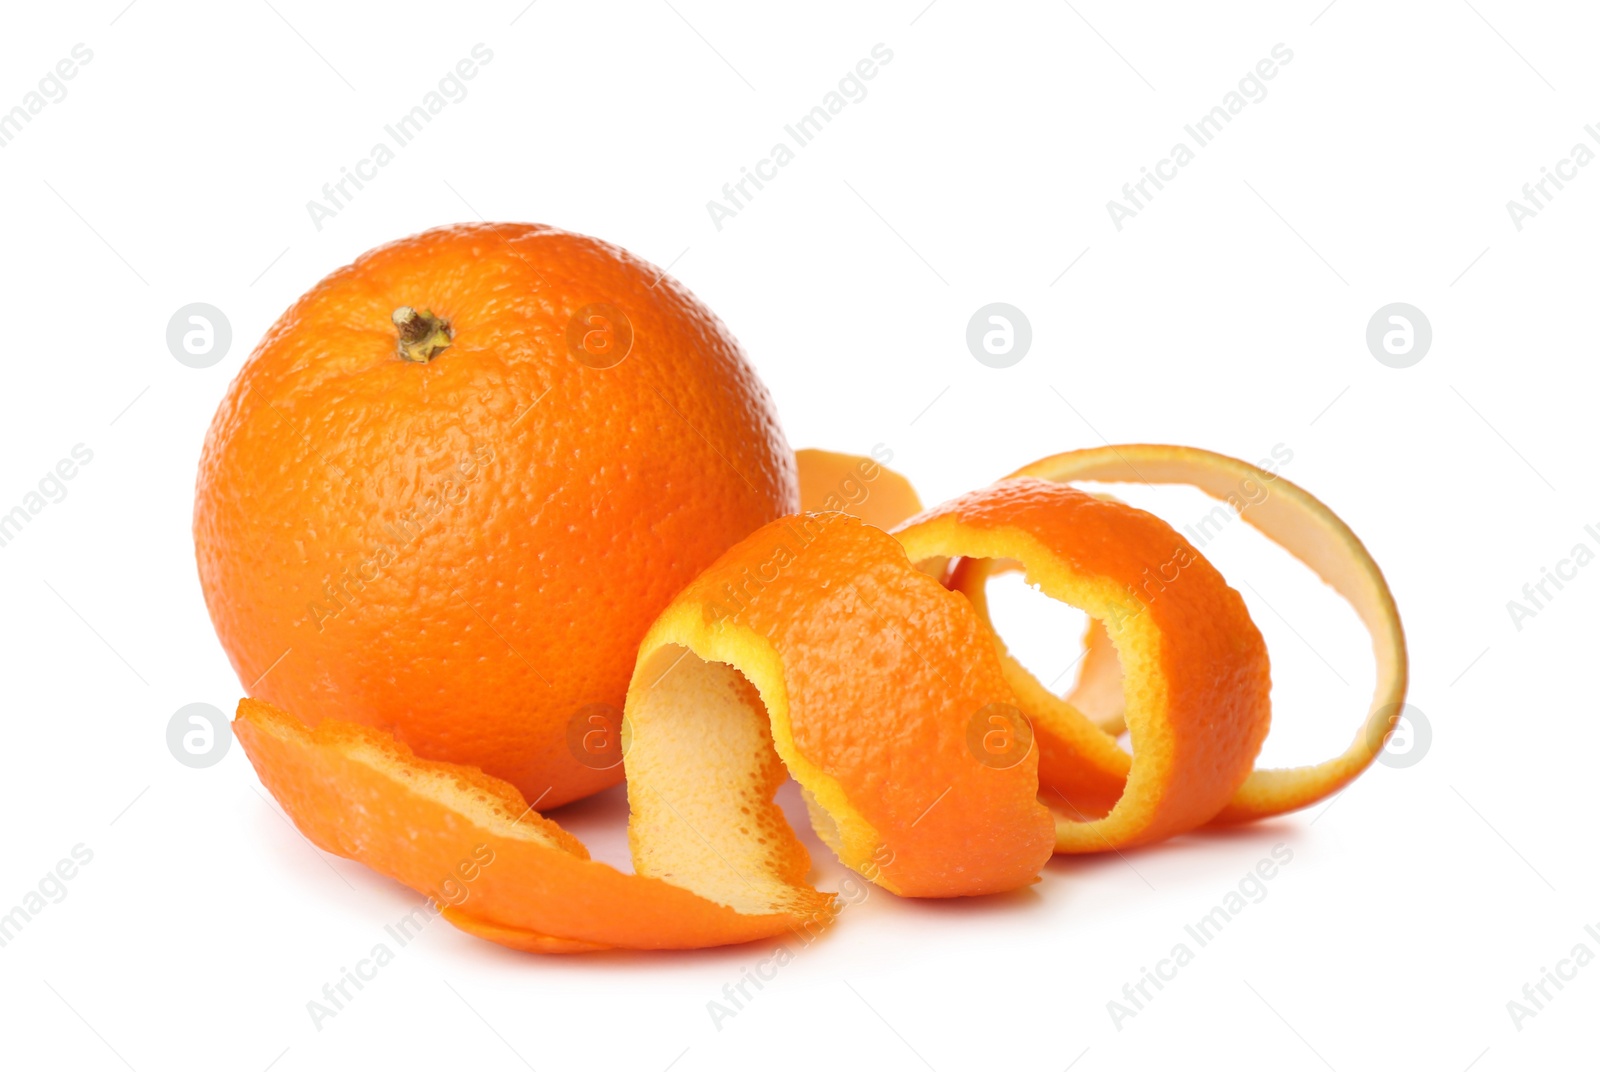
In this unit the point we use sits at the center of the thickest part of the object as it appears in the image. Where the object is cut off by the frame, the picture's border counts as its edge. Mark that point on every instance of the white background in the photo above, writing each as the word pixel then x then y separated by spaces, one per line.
pixel 1229 314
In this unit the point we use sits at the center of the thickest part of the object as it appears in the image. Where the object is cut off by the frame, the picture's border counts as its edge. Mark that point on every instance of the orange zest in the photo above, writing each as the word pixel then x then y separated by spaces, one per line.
pixel 863 665
pixel 1301 524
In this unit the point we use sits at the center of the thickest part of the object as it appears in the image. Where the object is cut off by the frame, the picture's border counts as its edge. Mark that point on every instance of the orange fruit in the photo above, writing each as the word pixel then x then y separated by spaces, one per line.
pixel 498 513
pixel 457 480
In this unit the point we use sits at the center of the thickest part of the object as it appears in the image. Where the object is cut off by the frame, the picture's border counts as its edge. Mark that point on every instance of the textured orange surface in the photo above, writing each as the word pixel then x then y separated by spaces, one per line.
pixel 466 551
pixel 872 674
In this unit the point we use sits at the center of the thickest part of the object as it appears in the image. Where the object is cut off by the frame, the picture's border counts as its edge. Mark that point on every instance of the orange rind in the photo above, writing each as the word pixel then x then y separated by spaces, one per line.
pixel 356 792
pixel 1196 681
pixel 853 484
pixel 871 675
pixel 1298 522
pixel 862 664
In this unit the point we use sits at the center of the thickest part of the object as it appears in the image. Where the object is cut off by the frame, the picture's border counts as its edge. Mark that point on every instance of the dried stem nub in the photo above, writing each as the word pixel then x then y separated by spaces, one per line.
pixel 423 336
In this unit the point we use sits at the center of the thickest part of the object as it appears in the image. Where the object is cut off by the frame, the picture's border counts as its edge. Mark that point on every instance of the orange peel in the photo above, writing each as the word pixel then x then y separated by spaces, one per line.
pixel 871 675
pixel 1298 522
pixel 357 792
pixel 1197 685
pixel 863 664
pixel 1097 694
pixel 857 485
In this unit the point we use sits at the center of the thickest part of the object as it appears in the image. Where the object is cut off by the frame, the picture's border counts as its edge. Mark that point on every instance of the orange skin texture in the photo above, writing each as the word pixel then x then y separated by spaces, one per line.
pixel 882 671
pixel 465 552
pixel 1199 701
pixel 516 879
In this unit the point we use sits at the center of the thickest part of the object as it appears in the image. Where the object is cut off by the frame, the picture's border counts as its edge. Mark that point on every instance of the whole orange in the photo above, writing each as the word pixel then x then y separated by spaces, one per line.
pixel 455 483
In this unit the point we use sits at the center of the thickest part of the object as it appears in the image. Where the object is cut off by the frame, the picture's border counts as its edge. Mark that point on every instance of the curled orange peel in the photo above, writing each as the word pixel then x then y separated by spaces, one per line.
pixel 864 666
pixel 1196 681
pixel 1097 694
pixel 1298 522
pixel 871 676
